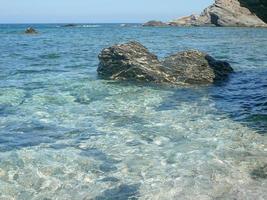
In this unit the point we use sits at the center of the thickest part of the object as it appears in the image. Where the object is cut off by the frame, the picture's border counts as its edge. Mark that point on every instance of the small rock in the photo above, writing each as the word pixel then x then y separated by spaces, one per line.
pixel 69 25
pixel 31 30
pixel 2 173
pixel 259 173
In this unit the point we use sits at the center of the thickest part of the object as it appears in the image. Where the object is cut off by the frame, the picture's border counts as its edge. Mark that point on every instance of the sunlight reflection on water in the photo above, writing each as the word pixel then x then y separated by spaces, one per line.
pixel 64 134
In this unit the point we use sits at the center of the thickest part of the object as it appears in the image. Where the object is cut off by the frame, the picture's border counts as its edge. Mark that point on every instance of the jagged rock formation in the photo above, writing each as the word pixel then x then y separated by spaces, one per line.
pixel 230 13
pixel 133 62
pixel 184 21
pixel 196 67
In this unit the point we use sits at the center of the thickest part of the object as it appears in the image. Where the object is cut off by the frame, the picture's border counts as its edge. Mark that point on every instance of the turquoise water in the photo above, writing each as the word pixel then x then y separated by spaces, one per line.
pixel 65 134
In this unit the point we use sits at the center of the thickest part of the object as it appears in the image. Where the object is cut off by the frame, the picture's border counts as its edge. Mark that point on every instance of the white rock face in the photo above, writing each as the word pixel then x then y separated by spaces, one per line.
pixel 229 13
pixel 225 13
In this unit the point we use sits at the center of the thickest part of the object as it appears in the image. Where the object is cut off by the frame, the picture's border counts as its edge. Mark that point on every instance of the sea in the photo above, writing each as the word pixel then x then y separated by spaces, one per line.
pixel 66 134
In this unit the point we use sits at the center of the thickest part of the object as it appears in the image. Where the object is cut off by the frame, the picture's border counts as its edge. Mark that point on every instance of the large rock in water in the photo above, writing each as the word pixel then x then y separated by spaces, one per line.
pixel 195 67
pixel 245 13
pixel 133 62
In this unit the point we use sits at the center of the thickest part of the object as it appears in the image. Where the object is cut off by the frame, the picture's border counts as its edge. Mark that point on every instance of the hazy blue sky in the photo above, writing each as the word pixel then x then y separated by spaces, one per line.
pixel 23 11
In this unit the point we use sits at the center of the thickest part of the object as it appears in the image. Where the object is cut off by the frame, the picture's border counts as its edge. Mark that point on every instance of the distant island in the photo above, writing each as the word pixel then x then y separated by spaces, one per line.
pixel 234 13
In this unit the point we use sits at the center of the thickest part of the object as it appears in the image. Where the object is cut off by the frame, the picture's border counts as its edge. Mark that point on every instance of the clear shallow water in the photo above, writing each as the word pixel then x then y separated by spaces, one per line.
pixel 65 134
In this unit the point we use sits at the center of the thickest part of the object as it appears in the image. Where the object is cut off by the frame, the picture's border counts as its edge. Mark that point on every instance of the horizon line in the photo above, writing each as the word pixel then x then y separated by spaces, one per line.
pixel 2 23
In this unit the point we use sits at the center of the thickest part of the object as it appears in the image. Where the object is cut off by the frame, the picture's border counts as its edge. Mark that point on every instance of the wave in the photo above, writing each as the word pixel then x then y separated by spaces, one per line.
pixel 90 26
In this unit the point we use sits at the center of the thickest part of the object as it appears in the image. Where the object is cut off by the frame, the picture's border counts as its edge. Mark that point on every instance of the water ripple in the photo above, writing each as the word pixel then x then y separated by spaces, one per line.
pixel 65 134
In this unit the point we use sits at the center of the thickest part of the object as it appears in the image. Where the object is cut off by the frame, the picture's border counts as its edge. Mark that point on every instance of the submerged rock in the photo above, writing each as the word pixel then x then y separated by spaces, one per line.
pixel 132 61
pixel 260 172
pixel 155 24
pixel 31 30
pixel 69 25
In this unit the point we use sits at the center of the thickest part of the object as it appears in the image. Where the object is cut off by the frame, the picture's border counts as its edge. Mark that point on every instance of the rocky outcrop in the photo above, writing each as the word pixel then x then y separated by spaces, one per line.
pixel 30 30
pixel 229 13
pixel 235 13
pixel 257 7
pixel 133 62
pixel 196 67
pixel 155 24
pixel 185 21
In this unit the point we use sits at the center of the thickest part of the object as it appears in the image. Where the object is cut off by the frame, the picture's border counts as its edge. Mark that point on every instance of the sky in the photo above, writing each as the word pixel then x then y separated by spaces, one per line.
pixel 96 11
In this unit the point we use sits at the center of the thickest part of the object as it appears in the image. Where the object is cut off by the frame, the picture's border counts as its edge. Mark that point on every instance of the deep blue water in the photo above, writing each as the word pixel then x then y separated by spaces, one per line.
pixel 65 134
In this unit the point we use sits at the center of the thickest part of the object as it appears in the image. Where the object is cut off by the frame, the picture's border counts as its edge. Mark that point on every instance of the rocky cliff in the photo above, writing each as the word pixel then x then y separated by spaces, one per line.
pixel 248 13
pixel 258 7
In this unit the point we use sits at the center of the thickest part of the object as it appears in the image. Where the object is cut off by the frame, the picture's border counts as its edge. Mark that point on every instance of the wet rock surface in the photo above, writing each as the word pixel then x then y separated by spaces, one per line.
pixel 133 62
